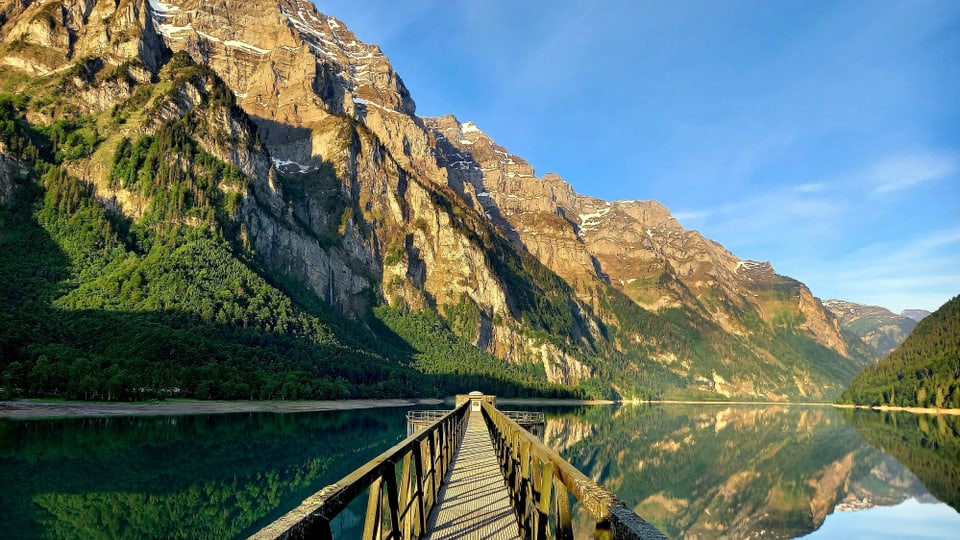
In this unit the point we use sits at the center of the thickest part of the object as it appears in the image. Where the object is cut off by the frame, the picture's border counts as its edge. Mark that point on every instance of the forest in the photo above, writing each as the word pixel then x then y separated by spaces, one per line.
pixel 924 371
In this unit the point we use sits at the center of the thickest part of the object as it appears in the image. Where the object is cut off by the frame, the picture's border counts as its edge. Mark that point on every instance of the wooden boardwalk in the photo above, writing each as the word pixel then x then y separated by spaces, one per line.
pixel 474 502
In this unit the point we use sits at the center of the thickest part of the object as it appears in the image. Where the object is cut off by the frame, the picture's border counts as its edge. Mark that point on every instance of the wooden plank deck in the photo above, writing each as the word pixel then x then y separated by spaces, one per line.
pixel 474 503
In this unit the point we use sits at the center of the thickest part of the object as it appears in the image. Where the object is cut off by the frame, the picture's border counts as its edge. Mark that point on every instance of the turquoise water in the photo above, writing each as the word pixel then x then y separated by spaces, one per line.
pixel 712 471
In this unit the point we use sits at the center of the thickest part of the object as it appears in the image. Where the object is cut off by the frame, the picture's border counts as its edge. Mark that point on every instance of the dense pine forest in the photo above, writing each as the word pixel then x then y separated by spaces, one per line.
pixel 924 371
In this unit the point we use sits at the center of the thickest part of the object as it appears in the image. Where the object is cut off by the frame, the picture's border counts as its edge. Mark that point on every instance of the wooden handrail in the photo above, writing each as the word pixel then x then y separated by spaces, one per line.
pixel 525 417
pixel 398 513
pixel 540 482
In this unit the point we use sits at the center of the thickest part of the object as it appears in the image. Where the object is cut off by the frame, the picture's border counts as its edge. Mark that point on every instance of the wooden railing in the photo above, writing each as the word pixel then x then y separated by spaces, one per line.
pixel 395 509
pixel 427 416
pixel 541 482
pixel 525 418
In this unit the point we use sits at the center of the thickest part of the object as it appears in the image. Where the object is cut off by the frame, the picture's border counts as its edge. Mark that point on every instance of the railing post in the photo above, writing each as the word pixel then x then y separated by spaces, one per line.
pixel 524 486
pixel 442 440
pixel 405 497
pixel 434 484
pixel 324 532
pixel 543 502
pixel 393 501
pixel 374 519
pixel 562 498
pixel 420 525
pixel 603 532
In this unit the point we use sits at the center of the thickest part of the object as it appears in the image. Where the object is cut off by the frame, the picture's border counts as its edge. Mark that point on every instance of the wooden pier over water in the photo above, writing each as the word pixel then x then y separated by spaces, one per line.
pixel 471 473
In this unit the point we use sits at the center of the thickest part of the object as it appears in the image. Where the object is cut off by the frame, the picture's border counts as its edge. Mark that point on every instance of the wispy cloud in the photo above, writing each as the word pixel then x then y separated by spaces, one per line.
pixel 811 188
pixel 907 171
pixel 829 236
pixel 692 216
pixel 777 215
pixel 919 272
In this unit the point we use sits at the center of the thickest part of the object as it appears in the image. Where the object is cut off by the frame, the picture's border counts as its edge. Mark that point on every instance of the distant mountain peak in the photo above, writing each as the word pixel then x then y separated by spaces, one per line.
pixel 877 326
pixel 915 314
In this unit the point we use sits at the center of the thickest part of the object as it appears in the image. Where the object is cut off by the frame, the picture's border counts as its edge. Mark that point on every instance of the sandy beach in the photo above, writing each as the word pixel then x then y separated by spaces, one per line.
pixel 914 410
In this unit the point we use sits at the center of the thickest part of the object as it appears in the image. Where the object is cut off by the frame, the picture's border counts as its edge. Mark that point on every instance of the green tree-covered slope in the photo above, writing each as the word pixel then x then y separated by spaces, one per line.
pixel 924 371
pixel 99 305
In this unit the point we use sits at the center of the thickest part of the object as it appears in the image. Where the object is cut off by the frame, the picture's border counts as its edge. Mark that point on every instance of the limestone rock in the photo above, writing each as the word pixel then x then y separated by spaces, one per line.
pixel 636 246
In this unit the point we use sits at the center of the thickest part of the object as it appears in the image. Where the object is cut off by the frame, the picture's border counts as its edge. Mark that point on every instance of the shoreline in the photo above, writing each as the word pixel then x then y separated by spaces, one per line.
pixel 28 409
pixel 555 401
pixel 888 408
pixel 705 402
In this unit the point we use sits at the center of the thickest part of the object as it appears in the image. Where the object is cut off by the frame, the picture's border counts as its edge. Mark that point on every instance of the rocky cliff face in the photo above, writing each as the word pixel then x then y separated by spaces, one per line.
pixel 345 195
pixel 332 112
pixel 354 197
pixel 636 246
pixel 11 171
pixel 42 37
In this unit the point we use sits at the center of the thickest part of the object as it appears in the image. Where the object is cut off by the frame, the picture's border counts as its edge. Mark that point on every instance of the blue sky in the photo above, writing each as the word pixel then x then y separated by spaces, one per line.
pixel 820 135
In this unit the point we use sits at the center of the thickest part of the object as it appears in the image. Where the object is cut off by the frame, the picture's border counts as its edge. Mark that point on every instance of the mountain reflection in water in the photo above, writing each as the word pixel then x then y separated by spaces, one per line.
pixel 717 471
pixel 703 471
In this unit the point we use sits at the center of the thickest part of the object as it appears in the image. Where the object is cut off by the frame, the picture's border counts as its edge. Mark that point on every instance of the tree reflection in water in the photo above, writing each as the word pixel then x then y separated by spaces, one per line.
pixel 205 476
pixel 746 471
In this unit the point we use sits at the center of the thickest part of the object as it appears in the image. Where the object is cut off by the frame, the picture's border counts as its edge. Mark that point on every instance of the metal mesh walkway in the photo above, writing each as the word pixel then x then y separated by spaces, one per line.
pixel 474 502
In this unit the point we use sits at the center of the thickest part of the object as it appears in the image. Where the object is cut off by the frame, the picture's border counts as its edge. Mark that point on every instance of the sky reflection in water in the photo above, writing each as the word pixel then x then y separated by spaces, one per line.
pixel 909 520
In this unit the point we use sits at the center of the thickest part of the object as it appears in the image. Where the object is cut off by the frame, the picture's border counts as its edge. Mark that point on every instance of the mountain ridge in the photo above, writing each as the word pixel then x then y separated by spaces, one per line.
pixel 915 314
pixel 365 206
pixel 877 326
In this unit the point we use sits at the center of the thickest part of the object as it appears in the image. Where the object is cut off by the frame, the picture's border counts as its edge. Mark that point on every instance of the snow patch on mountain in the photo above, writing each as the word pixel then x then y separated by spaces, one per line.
pixel 750 265
pixel 592 220
pixel 291 166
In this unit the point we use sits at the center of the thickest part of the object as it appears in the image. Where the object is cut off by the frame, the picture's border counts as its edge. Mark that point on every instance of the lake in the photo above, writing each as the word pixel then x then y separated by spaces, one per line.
pixel 694 471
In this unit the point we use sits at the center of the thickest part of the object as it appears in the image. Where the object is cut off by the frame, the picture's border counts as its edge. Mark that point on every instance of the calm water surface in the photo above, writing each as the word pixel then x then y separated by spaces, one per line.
pixel 694 471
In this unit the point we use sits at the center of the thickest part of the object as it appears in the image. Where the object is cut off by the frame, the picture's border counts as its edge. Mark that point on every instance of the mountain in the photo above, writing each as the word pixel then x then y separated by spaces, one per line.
pixel 915 314
pixel 879 327
pixel 256 169
pixel 924 371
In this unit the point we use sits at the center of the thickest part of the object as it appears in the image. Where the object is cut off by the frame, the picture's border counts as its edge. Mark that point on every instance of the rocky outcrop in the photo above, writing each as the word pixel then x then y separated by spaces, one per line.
pixel 43 37
pixel 12 170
